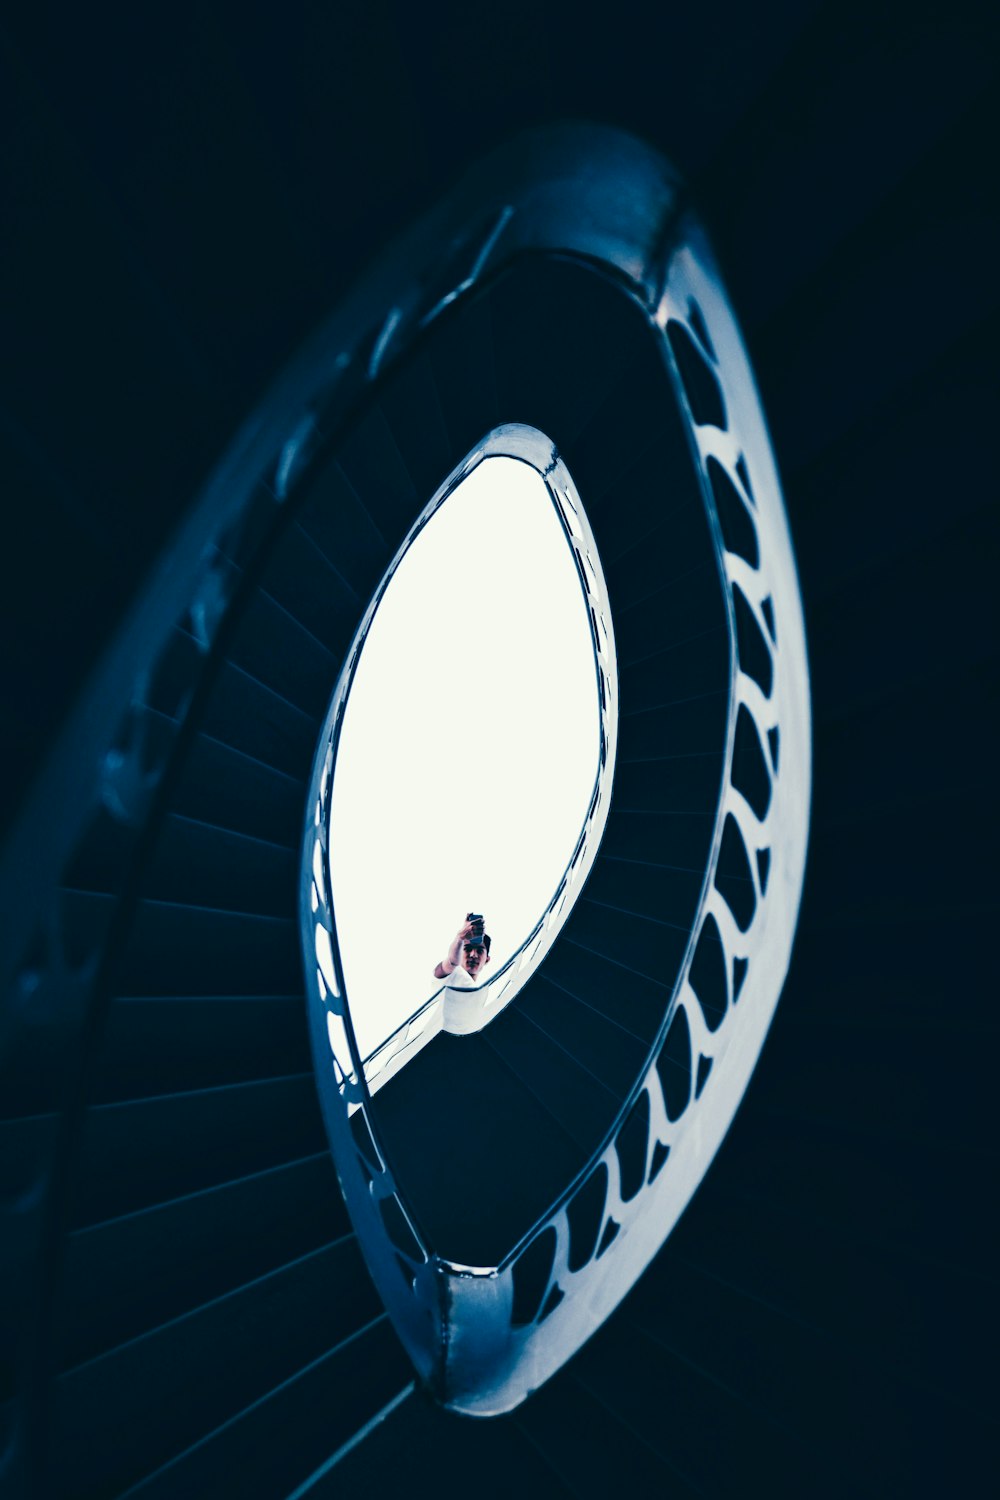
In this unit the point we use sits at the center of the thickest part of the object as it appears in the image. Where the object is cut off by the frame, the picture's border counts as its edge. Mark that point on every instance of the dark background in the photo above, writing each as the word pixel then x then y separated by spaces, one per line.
pixel 187 191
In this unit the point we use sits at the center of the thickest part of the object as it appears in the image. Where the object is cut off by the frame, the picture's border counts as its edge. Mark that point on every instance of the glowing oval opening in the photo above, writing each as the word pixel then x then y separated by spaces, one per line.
pixel 469 756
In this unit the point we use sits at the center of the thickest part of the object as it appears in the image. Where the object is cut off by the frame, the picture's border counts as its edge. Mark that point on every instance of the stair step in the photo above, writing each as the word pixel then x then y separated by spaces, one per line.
pixel 141 1153
pixel 662 894
pixel 300 577
pixel 500 1156
pixel 680 608
pixel 651 948
pixel 128 1275
pixel 676 675
pixel 412 408
pixel 376 470
pixel 176 949
pixel 655 486
pixel 684 783
pixel 583 1100
pixel 199 863
pixel 694 726
pixel 247 716
pixel 333 517
pixel 594 1041
pixel 281 1441
pixel 163 1391
pixel 635 1003
pixel 274 648
pixel 649 456
pixel 166 1044
pixel 680 839
pixel 221 785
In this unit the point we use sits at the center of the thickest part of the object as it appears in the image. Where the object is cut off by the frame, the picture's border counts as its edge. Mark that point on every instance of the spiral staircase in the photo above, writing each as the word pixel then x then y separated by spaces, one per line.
pixel 189 1309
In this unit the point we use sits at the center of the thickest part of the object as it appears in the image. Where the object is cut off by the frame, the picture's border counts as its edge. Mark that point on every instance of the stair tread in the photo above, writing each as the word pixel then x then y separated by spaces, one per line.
pixel 171 1386
pixel 127 1276
pixel 284 1441
pixel 139 1153
pixel 469 1214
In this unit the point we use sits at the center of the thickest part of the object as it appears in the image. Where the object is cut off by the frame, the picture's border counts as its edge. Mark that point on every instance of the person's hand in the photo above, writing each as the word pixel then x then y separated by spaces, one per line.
pixel 464 932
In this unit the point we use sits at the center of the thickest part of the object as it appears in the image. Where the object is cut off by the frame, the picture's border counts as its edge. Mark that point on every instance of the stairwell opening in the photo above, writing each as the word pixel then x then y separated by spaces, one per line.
pixel 472 759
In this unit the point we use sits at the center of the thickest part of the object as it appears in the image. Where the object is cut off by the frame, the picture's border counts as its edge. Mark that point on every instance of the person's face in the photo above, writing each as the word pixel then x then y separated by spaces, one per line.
pixel 474 960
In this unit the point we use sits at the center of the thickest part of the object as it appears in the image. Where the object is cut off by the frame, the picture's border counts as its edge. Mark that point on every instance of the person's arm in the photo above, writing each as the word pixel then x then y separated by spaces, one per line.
pixel 453 957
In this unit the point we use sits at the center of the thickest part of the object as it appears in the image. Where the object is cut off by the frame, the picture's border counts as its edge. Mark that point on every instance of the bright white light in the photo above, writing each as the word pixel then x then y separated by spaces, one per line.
pixel 469 747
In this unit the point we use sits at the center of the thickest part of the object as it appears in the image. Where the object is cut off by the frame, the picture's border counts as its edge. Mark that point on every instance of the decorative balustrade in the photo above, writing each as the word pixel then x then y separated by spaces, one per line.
pixel 484 1337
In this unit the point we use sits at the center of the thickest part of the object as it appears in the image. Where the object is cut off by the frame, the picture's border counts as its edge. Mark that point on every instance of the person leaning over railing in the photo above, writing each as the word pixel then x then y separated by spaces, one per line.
pixel 468 955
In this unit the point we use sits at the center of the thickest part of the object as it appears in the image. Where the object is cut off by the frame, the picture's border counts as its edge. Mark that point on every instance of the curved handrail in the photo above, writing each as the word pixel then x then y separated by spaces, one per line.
pixel 581 192
pixel 470 1330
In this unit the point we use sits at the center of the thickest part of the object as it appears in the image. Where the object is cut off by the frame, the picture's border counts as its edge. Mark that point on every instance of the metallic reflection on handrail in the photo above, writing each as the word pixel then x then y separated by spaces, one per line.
pixel 483 1338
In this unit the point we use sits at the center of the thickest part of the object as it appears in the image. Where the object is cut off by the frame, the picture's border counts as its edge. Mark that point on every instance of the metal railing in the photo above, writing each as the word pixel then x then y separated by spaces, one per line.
pixel 484 1337
pixel 480 1337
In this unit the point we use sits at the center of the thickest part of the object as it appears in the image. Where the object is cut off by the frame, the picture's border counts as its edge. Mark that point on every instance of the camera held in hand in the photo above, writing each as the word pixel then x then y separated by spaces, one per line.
pixel 478 926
